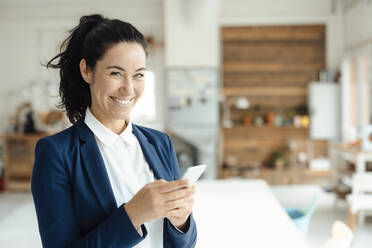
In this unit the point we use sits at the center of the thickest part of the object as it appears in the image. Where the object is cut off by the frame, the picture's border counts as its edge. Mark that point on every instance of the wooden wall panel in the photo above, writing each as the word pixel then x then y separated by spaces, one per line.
pixel 272 66
pixel 268 79
pixel 274 33
pixel 290 52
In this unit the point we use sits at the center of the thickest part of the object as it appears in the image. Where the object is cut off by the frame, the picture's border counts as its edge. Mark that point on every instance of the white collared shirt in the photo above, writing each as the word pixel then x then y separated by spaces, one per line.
pixel 127 170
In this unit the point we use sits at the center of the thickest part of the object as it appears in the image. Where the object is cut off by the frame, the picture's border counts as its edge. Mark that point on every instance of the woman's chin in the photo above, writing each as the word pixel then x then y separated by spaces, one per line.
pixel 120 116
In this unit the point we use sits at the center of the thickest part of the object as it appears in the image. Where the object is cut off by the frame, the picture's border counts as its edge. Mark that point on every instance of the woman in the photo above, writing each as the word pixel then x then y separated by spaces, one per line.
pixel 106 182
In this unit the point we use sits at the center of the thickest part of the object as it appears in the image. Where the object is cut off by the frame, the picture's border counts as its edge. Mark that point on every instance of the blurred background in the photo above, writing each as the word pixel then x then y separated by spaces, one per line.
pixel 273 95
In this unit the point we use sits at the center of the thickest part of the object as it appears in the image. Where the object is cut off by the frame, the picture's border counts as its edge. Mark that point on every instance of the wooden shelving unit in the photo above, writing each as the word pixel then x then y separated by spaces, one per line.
pixel 271 66
pixel 18 160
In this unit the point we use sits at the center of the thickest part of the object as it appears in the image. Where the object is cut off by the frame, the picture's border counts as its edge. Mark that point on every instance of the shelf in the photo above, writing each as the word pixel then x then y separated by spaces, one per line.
pixel 18 185
pixel 265 91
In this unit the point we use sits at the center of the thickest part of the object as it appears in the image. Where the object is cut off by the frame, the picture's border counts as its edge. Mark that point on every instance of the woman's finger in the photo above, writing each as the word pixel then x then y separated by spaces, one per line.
pixel 174 185
pixel 185 202
pixel 178 194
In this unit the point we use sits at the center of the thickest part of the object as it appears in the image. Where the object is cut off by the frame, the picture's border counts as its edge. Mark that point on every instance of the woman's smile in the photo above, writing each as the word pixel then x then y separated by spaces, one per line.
pixel 122 102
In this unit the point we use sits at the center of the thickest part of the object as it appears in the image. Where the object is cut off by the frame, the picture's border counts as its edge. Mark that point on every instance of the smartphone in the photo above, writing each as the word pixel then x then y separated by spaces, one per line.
pixel 193 173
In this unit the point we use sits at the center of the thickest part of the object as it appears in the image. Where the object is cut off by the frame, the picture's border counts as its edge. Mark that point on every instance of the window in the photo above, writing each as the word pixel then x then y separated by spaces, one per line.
pixel 356 92
pixel 365 98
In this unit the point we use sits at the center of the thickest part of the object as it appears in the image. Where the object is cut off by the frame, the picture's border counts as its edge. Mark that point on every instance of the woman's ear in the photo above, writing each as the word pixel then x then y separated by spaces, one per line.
pixel 86 73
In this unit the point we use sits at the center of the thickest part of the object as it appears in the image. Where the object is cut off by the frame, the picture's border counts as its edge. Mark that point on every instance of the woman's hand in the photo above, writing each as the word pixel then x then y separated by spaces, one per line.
pixel 160 199
pixel 181 206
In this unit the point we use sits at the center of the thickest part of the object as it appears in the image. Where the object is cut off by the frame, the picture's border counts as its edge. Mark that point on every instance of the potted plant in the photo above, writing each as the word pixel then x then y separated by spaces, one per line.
pixel 277 160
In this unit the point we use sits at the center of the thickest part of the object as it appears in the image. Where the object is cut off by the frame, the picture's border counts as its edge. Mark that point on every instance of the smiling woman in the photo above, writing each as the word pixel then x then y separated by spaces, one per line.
pixel 116 83
pixel 105 181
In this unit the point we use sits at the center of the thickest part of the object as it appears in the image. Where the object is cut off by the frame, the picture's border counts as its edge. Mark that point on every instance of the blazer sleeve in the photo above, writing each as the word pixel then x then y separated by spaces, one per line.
pixel 58 226
pixel 174 237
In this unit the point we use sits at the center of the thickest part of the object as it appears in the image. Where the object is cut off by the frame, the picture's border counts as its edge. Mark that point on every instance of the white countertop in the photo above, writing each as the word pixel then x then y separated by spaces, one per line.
pixel 242 213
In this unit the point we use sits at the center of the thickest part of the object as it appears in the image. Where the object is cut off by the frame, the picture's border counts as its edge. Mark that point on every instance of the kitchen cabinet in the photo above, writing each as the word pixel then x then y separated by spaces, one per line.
pixel 18 160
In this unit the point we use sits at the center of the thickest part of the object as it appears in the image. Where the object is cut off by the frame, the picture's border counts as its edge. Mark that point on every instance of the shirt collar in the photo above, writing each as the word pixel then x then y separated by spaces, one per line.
pixel 105 135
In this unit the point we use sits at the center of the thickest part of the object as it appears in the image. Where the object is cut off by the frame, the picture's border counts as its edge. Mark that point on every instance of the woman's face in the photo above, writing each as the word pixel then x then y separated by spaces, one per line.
pixel 116 83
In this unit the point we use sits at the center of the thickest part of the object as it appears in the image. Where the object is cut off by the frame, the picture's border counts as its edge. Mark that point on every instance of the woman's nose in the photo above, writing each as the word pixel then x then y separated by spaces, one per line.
pixel 127 86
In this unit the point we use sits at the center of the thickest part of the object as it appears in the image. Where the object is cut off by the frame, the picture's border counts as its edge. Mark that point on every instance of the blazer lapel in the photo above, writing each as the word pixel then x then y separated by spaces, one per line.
pixel 95 167
pixel 160 170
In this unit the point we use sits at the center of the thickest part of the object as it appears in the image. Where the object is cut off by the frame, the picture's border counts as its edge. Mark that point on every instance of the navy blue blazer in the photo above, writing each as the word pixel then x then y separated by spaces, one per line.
pixel 74 201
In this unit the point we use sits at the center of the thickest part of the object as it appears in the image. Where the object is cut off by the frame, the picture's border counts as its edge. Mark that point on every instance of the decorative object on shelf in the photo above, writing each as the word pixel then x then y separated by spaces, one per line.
pixel 231 161
pixel 277 160
pixel 242 103
pixel 305 121
pixel 248 117
pixel 302 118
pixel 258 119
pixel 270 118
pixel 247 120
pixel 288 117
pixel 52 117
pixel 29 123
pixel 297 120
pixel 302 159
pixel 24 121
pixel 302 110
pixel 278 120
pixel 52 120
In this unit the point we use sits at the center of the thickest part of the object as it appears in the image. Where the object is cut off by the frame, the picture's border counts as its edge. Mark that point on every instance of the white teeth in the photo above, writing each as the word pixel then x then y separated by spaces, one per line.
pixel 124 102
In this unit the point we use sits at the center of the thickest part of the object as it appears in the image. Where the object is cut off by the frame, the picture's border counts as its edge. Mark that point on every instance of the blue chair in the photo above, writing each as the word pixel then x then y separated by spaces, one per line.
pixel 301 215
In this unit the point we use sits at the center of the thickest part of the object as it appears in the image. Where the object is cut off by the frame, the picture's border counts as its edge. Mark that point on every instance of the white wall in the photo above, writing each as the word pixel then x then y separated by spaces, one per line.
pixel 357 24
pixel 192 33
pixel 242 12
pixel 193 39
pixel 288 12
pixel 31 32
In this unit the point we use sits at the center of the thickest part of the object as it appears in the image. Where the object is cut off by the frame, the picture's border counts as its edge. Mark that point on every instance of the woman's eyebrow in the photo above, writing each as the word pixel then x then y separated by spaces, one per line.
pixel 122 69
pixel 115 67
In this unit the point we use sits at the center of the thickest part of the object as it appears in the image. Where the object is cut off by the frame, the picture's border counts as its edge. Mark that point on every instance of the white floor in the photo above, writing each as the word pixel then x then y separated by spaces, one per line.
pixel 18 226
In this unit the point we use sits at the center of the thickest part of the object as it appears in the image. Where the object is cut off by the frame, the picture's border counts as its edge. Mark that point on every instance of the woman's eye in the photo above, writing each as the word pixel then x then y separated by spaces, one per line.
pixel 115 73
pixel 139 75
